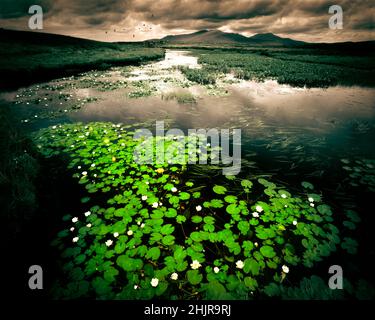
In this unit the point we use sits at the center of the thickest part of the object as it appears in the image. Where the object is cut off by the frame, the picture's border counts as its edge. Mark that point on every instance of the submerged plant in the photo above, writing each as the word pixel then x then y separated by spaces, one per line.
pixel 361 173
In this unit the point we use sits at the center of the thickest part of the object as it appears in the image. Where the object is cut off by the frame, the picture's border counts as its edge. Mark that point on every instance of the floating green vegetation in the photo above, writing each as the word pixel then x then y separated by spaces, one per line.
pixel 100 80
pixel 200 76
pixel 148 231
pixel 218 91
pixel 177 82
pixel 182 97
pixel 361 172
pixel 125 71
pixel 64 102
pixel 142 89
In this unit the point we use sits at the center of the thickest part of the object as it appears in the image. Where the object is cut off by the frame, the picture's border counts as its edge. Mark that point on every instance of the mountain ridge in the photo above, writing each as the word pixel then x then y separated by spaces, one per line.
pixel 220 37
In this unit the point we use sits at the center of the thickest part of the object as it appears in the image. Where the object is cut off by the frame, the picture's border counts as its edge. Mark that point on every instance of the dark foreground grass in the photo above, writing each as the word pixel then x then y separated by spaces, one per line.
pixel 27 57
pixel 18 170
pixel 30 208
pixel 303 67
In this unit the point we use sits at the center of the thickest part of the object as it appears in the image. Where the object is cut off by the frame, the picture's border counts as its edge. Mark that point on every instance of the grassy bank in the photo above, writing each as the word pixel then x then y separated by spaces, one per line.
pixel 302 67
pixel 18 170
pixel 27 57
pixel 30 202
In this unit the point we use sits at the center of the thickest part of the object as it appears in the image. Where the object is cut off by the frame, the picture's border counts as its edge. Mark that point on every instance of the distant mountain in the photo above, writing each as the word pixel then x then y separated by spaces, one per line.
pixel 270 39
pixel 207 36
pixel 219 37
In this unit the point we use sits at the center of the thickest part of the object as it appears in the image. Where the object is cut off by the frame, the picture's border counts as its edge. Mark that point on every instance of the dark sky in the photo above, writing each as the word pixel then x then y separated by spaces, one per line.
pixel 121 20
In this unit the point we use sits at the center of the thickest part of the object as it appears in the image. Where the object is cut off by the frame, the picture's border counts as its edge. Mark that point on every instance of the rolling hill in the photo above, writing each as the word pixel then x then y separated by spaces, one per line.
pixel 28 57
pixel 219 37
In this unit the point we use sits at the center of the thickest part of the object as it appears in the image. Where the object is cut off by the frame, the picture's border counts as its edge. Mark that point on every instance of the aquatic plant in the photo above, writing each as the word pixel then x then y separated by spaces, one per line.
pixel 150 230
pixel 141 89
pixel 199 76
pixel 361 173
pixel 182 97
pixel 288 68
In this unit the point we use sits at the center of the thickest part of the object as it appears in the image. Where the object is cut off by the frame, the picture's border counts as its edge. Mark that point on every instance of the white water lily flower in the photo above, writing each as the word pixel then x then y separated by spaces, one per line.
pixel 295 222
pixel 72 229
pixel 255 214
pixel 154 282
pixel 130 232
pixel 283 196
pixel 84 173
pixel 142 225
pixel 155 205
pixel 139 223
pixel 136 287
pixel 144 198
pixel 75 219
pixel 216 270
pixel 311 199
pixel 79 167
pixel 75 239
pixel 256 244
pixel 88 225
pixel 198 208
pixel 195 264
pixel 239 264
pixel 174 189
pixel 174 276
pixel 93 165
pixel 285 268
pixel 108 243
pixel 87 213
pixel 259 208
pixel 116 234
pixel 312 205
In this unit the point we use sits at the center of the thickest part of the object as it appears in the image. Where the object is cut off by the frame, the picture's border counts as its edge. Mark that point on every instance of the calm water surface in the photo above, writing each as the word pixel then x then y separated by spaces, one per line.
pixel 291 134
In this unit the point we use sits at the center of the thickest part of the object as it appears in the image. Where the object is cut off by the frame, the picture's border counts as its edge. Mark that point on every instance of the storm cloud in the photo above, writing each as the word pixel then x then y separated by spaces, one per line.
pixel 122 20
